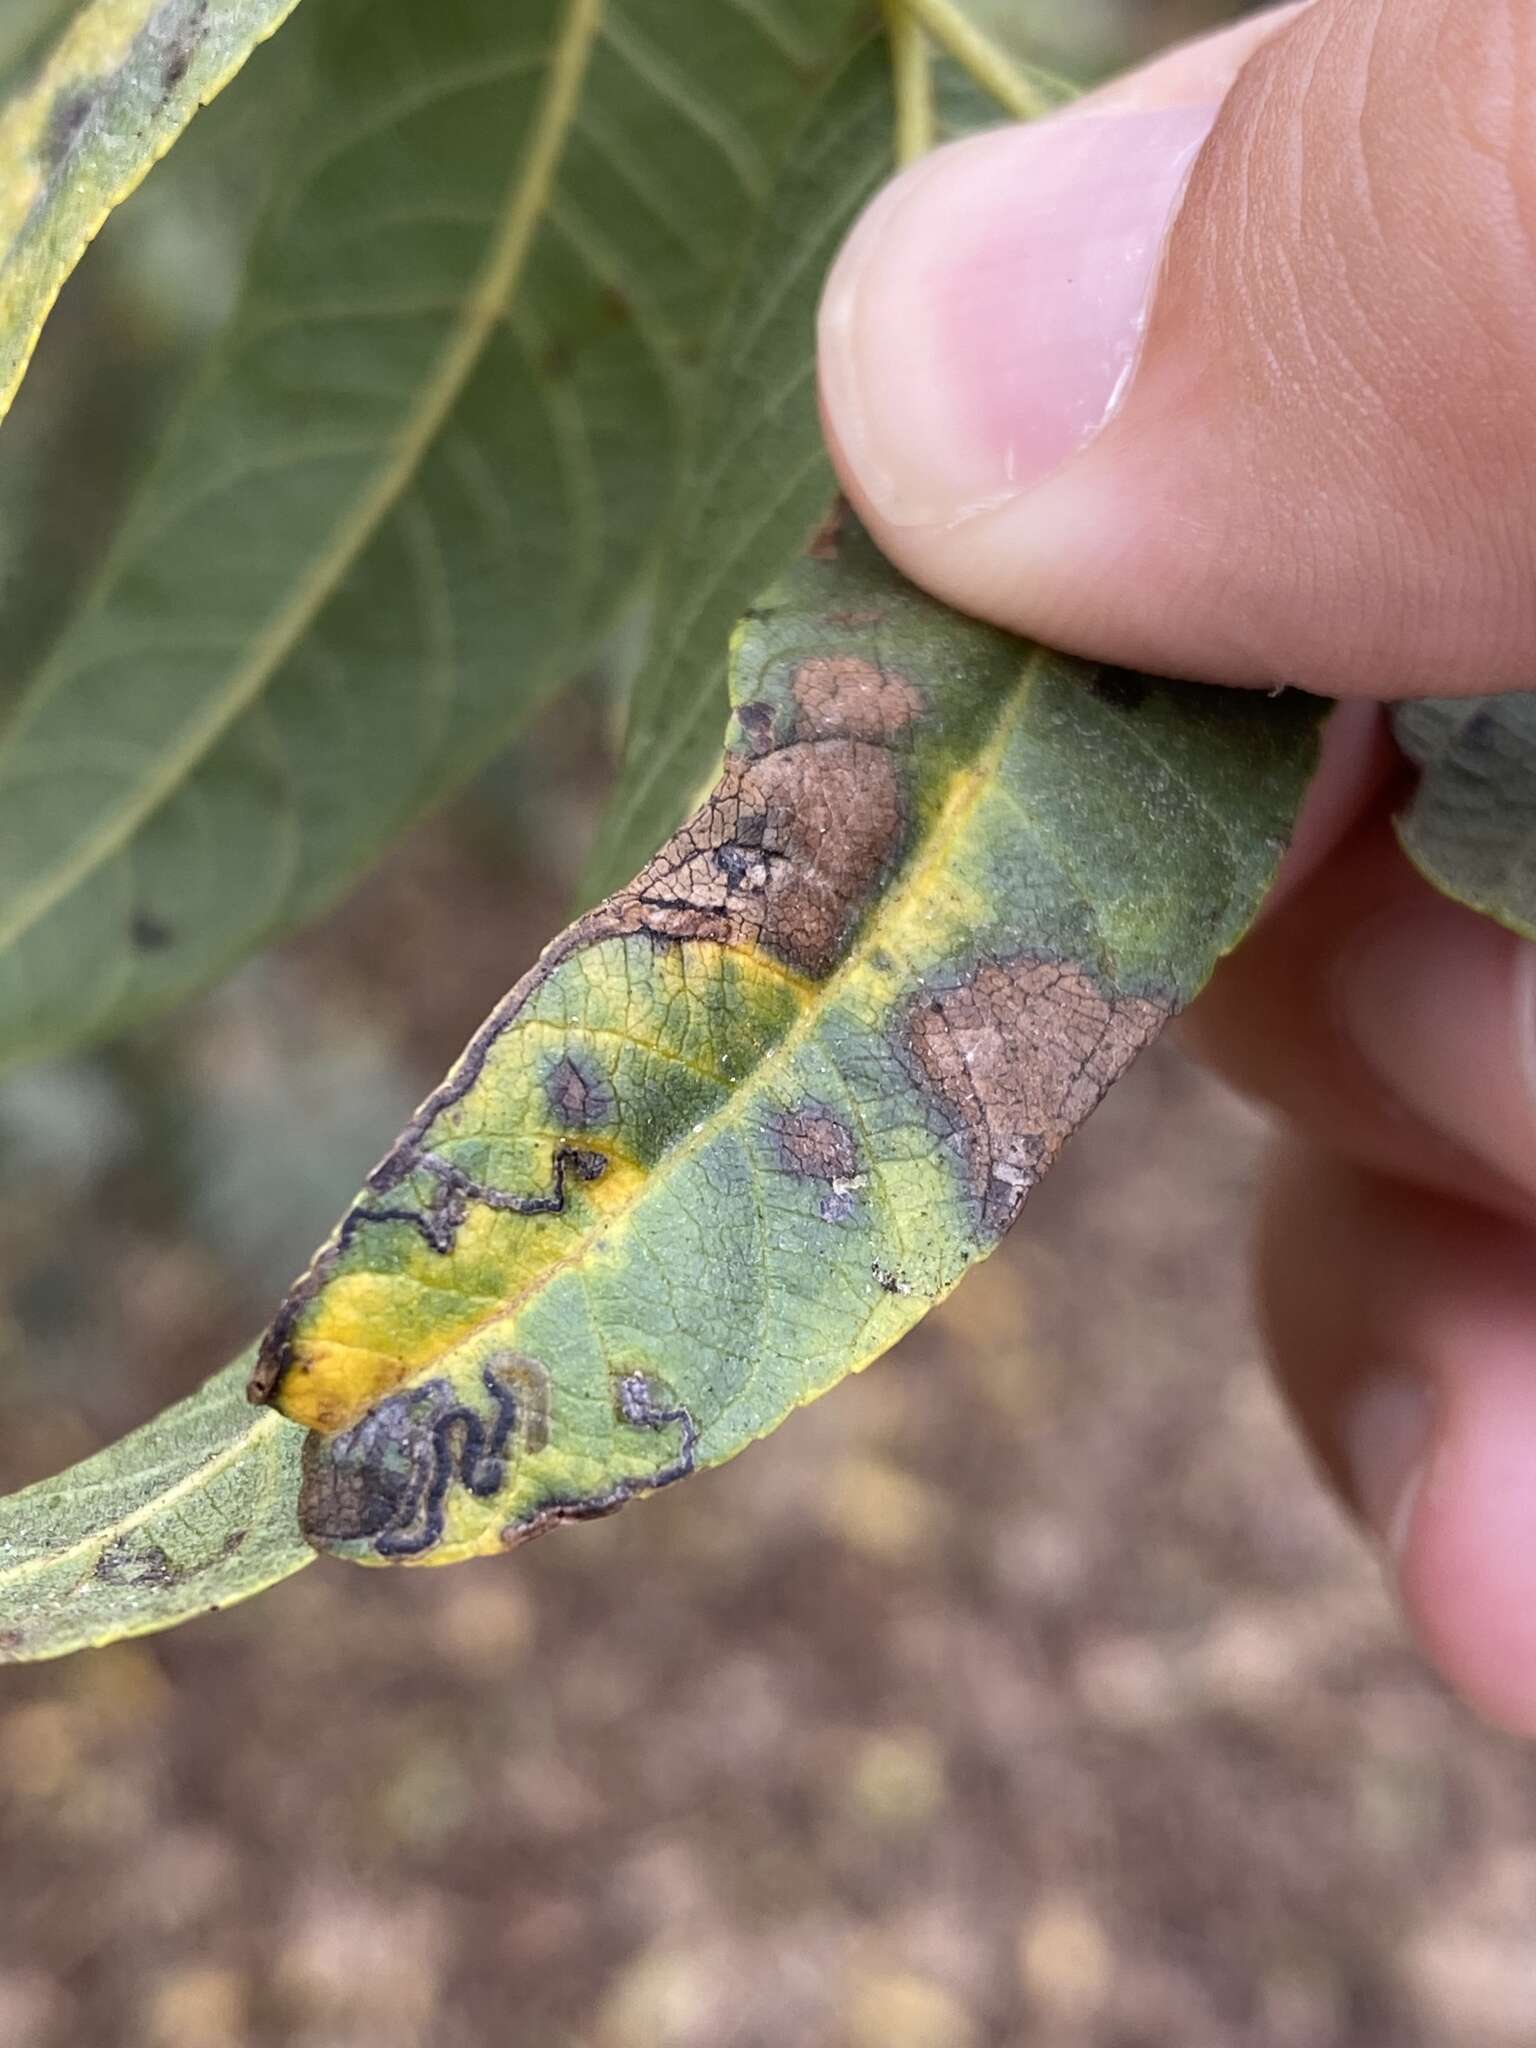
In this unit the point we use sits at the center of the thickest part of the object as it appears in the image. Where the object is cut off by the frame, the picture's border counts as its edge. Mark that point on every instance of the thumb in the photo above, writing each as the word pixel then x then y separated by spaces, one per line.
pixel 1242 387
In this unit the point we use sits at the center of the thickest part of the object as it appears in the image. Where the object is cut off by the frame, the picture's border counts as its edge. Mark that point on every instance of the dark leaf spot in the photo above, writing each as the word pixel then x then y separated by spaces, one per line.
pixel 744 868
pixel 756 724
pixel 126 1562
pixel 813 1144
pixel 182 47
pixel 66 122
pixel 579 1097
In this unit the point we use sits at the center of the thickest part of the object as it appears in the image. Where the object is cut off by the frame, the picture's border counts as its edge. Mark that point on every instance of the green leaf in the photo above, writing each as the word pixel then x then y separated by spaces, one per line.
pixel 753 1116
pixel 159 283
pixel 756 479
pixel 417 483
pixel 1470 825
pixel 125 79
pixel 192 1512
pixel 738 1129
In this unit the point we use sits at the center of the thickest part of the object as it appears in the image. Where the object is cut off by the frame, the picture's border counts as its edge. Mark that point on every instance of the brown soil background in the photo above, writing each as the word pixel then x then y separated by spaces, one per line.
pixel 1028 1692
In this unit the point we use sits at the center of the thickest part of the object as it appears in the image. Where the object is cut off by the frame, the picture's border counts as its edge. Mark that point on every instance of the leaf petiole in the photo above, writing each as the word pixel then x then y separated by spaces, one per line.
pixel 975 52
pixel 912 82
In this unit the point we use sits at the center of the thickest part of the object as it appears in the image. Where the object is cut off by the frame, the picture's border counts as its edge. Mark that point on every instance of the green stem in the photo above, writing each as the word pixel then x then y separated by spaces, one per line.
pixel 912 81
pixel 990 67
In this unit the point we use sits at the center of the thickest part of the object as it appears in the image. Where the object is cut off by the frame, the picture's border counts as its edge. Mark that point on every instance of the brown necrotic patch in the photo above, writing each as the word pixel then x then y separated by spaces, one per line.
pixel 579 1096
pixel 813 1144
pixel 785 855
pixel 800 832
pixel 843 696
pixel 1016 1055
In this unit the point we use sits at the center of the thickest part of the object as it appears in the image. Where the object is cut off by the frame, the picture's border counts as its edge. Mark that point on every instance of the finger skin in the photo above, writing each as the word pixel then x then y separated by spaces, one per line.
pixel 1394 1031
pixel 1366 1284
pixel 1387 1024
pixel 1319 470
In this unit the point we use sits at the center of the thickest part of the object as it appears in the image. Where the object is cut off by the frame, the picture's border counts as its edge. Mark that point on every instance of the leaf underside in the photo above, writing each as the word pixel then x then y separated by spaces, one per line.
pixel 739 1128
pixel 122 83
pixel 418 482
pixel 1470 824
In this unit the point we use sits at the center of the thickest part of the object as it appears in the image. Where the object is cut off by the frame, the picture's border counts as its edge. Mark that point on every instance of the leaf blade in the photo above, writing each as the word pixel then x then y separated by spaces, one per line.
pixel 1470 824
pixel 123 82
pixel 750 1118
pixel 191 1512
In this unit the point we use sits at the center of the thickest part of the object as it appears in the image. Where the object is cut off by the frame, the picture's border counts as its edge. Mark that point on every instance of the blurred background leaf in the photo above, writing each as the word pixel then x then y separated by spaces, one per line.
pixel 112 95
pixel 125 338
pixel 415 485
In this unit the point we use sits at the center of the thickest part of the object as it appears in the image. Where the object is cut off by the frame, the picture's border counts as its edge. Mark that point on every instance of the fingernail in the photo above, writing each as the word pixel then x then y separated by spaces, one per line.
pixel 1386 1440
pixel 984 318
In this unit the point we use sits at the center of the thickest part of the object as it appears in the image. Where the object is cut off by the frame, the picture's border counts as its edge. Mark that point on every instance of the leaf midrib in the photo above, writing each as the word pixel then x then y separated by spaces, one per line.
pixel 482 307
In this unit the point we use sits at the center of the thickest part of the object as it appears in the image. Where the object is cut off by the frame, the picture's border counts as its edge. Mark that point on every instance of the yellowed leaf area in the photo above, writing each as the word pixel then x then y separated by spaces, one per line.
pixel 121 84
pixel 548 1085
